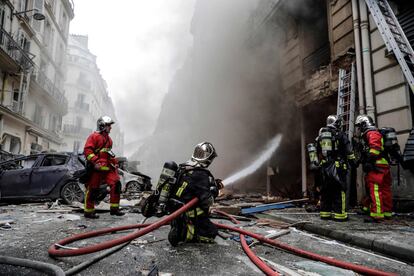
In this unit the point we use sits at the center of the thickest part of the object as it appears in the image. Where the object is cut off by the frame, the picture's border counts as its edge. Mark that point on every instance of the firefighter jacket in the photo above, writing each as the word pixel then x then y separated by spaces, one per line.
pixel 374 149
pixel 97 150
pixel 196 182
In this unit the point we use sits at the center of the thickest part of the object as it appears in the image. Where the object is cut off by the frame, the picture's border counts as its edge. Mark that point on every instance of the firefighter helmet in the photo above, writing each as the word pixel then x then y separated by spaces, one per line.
pixel 203 154
pixel 364 122
pixel 103 122
pixel 334 121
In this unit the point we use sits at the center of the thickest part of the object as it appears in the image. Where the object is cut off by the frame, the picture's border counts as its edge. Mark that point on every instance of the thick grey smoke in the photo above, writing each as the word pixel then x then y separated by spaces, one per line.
pixel 227 93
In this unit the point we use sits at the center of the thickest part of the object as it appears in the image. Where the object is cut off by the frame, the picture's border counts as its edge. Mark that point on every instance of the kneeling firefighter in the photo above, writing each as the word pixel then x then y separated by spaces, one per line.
pixel 178 185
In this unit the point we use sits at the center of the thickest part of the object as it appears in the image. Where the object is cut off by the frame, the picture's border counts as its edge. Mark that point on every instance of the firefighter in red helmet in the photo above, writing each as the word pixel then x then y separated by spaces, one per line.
pixel 98 152
pixel 376 168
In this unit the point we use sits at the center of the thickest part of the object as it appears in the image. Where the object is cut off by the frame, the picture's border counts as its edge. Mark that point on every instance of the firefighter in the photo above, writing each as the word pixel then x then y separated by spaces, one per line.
pixel 196 180
pixel 376 168
pixel 98 152
pixel 336 157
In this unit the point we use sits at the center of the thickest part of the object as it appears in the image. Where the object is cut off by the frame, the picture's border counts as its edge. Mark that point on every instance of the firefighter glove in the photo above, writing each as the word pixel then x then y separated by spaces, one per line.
pixel 214 191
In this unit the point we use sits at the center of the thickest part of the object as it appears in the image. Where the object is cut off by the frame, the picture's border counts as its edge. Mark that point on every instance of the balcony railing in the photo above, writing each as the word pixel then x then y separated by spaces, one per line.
pixel 319 57
pixel 14 51
pixel 40 78
pixel 72 129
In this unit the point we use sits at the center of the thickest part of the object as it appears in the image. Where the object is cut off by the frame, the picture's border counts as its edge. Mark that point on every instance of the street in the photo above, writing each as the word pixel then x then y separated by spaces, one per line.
pixel 32 233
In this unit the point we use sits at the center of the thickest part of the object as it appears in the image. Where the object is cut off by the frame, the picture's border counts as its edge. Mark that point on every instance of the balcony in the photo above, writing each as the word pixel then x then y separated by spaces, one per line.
pixel 13 56
pixel 47 85
pixel 76 130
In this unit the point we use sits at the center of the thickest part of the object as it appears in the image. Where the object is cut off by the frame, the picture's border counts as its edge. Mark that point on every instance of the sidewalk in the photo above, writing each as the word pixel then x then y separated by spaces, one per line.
pixel 394 238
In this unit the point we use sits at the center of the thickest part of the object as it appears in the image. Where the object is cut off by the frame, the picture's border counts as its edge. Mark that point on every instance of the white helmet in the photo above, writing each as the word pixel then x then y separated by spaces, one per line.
pixel 203 154
pixel 334 121
pixel 103 122
pixel 364 122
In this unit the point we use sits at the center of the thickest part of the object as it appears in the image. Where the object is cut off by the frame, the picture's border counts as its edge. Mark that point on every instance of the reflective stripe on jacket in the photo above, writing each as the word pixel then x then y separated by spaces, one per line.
pixel 96 149
pixel 375 144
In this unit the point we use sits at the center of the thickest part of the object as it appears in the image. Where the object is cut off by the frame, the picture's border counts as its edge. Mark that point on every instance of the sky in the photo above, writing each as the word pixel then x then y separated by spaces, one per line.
pixel 139 45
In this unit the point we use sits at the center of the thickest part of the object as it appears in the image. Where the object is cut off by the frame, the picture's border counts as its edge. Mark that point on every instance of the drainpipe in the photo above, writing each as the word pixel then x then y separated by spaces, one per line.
pixel 366 58
pixel 357 38
pixel 303 154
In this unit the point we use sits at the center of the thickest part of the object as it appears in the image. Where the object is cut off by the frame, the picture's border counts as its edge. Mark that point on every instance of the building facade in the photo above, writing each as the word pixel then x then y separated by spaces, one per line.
pixel 319 37
pixel 33 43
pixel 87 96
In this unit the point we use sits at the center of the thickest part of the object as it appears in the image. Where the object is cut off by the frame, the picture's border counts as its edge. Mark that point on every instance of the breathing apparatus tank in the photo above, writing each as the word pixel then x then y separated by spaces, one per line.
pixel 313 156
pixel 326 141
pixel 168 178
pixel 156 203
pixel 391 146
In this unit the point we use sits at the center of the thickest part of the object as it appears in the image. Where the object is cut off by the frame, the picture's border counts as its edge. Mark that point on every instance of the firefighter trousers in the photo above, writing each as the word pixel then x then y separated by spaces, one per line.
pixel 333 198
pixel 98 178
pixel 194 228
pixel 379 183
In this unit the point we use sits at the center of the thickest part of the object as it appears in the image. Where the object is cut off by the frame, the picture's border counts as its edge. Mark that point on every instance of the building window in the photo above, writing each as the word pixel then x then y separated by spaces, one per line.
pixel 84 81
pixel 38 118
pixel 11 143
pixel 79 122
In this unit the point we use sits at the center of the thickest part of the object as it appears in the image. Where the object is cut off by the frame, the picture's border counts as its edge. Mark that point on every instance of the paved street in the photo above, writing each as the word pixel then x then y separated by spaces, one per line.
pixel 32 233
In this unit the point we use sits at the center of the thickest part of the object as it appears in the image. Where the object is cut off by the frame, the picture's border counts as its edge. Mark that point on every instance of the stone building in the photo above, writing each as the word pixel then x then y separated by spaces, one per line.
pixel 88 98
pixel 33 43
pixel 318 37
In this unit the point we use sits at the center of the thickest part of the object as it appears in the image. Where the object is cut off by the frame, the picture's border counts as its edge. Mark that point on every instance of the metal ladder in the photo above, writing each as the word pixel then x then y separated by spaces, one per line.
pixel 346 99
pixel 393 36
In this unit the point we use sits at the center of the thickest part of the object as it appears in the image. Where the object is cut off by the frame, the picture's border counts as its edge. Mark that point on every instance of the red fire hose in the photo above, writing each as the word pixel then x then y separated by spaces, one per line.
pixel 54 251
pixel 313 256
pixel 256 260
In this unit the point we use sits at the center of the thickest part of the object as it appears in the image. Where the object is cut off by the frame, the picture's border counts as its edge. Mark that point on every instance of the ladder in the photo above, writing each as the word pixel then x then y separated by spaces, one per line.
pixel 393 36
pixel 346 99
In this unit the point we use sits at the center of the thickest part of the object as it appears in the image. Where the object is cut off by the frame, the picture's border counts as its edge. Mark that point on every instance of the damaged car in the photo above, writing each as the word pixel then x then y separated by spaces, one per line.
pixel 41 176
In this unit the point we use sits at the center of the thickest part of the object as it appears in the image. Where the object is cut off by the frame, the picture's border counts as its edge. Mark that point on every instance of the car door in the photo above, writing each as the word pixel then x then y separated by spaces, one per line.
pixel 15 181
pixel 48 174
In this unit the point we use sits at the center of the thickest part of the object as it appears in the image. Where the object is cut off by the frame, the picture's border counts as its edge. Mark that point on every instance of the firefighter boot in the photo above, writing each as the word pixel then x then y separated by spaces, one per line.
pixel 176 234
pixel 91 215
pixel 116 212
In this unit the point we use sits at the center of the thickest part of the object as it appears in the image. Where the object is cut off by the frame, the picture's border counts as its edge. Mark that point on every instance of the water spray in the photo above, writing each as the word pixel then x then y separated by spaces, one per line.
pixel 271 147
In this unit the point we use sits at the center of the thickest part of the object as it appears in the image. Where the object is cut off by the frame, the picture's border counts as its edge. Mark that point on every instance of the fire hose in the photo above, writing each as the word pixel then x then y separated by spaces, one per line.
pixel 256 260
pixel 54 250
pixel 310 255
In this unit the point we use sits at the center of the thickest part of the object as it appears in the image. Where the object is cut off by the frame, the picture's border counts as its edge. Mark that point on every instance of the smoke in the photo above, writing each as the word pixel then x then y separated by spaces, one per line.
pixel 271 147
pixel 227 92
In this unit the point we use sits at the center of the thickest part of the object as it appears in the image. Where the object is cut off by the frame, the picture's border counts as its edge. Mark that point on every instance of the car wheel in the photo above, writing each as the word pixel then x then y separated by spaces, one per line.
pixel 132 188
pixel 71 192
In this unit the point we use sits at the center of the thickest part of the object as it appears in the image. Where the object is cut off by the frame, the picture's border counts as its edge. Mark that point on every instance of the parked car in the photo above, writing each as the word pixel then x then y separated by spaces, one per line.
pixel 41 176
pixel 134 182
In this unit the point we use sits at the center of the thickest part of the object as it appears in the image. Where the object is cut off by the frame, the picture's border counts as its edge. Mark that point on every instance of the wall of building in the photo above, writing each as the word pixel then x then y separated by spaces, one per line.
pixel 340 27
pixel 392 102
pixel 33 95
pixel 88 98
